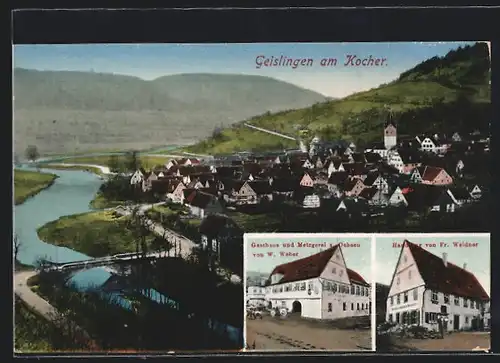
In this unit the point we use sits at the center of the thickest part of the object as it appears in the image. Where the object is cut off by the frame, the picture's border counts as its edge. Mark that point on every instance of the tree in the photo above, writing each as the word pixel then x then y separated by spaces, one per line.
pixel 32 153
pixel 17 246
pixel 132 162
pixel 114 164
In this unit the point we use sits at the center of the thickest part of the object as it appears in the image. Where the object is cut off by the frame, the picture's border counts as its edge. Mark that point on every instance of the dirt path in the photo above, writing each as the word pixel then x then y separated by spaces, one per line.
pixel 275 334
pixel 461 341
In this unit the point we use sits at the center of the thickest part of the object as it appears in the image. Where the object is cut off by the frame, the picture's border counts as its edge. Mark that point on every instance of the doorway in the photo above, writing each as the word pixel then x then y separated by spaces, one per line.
pixel 456 322
pixel 297 307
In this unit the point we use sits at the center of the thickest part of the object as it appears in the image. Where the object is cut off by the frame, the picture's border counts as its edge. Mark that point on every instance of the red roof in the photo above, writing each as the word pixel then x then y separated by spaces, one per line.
pixel 449 279
pixel 429 173
pixel 305 268
pixel 355 277
pixel 311 267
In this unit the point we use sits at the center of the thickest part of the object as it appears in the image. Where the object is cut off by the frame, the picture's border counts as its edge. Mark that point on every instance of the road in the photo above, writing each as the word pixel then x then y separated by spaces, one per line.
pixel 36 303
pixel 185 244
pixel 295 333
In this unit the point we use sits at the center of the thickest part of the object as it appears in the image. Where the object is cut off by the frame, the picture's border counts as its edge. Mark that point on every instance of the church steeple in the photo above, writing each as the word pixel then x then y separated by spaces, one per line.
pixel 390 131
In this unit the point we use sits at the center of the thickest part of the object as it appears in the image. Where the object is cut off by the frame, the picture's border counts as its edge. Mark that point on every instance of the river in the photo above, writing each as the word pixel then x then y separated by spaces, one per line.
pixel 70 194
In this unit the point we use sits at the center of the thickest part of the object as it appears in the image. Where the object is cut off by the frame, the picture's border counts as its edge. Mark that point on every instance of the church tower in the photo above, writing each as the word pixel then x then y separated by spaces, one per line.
pixel 390 133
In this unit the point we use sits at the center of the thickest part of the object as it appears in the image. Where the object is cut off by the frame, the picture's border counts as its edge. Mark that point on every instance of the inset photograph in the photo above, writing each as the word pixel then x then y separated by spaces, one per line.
pixel 308 292
pixel 433 292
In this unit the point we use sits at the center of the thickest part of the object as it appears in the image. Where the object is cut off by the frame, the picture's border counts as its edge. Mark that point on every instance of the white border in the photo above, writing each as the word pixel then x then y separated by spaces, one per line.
pixel 371 236
pixel 373 323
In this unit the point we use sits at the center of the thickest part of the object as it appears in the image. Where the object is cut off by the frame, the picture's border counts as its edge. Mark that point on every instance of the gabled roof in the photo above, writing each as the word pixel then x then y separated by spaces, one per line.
pixel 460 193
pixel 338 178
pixel 227 171
pixel 260 187
pixel 199 199
pixel 368 193
pixel 164 185
pixel 355 168
pixel 449 279
pixel 429 173
pixel 410 156
pixel 355 277
pixel 285 184
pixel 372 157
pixel 213 224
pixel 349 183
pixel 359 158
pixel 422 196
pixel 305 268
pixel 371 177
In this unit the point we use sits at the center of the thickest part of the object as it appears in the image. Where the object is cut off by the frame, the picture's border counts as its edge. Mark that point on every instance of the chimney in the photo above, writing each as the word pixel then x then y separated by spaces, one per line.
pixel 445 259
pixel 465 266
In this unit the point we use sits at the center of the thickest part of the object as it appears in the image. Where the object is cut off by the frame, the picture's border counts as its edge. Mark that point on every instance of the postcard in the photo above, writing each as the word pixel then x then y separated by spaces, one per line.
pixel 433 292
pixel 140 167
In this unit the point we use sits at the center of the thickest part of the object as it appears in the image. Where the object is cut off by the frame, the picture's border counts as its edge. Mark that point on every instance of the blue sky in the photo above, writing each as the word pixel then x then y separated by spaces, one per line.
pixel 149 61
pixel 477 258
pixel 357 258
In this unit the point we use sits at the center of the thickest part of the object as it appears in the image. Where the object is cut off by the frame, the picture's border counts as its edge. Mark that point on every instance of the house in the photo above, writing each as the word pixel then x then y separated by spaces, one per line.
pixel 353 207
pixel 306 181
pixel 320 286
pixel 138 176
pixel 263 190
pixel 148 180
pixel 422 197
pixel 319 177
pixel 256 296
pixel 202 204
pixel 335 166
pixel 242 193
pixel 475 191
pixel 164 186
pixel 460 194
pixel 395 160
pixel 379 149
pixel 411 159
pixel 188 162
pixel 307 198
pixel 432 175
pixel 285 186
pixel 177 195
pixel 426 288
pixel 376 180
pixel 433 144
pixel 336 182
pixel 397 197
pixel 368 194
pixel 356 169
pixel 353 186
pixel 222 237
pixel 171 163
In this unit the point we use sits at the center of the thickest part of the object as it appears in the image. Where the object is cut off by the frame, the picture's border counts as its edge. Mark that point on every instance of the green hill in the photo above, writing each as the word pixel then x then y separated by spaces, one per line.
pixel 66 111
pixel 449 93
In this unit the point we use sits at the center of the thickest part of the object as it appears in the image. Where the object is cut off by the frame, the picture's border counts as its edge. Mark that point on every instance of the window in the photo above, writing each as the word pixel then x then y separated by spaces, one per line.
pixel 415 294
pixel 397 281
pixel 334 288
pixel 357 306
pixel 446 298
pixel 352 306
pixel 398 299
pixel 353 290
pixel 397 318
pixel 466 303
pixel 296 287
pixel 357 290
pixel 390 318
pixel 405 297
pixel 344 306
pixel 280 289
pixel 392 300
pixel 409 274
pixel 466 320
pixel 283 304
pixel 334 270
pixel 457 301
pixel 341 273
pixel 434 297
pixel 310 286
pixel 430 317
pixel 329 307
pixel 302 286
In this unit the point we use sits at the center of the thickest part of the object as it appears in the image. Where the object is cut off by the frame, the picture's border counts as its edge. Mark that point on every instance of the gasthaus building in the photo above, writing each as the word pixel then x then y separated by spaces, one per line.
pixel 427 289
pixel 319 287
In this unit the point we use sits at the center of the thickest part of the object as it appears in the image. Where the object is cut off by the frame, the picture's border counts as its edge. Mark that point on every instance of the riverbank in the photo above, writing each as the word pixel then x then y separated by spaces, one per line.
pixel 29 183
pixel 146 161
pixel 95 234
pixel 34 334
pixel 62 166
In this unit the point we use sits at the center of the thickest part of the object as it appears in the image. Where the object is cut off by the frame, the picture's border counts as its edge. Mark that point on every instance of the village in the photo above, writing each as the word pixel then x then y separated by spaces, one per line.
pixel 333 187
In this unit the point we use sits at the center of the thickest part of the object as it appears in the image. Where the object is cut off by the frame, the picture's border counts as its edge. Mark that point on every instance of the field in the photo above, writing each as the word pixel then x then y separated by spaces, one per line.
pixel 29 183
pixel 147 162
pixel 295 333
pixel 95 234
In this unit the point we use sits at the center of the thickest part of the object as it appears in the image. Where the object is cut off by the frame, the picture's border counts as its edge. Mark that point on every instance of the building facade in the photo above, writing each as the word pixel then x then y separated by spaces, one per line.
pixel 426 288
pixel 319 287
